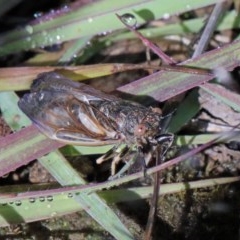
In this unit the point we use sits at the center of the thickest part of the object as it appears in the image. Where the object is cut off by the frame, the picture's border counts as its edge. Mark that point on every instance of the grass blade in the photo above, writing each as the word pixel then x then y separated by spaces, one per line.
pixel 92 19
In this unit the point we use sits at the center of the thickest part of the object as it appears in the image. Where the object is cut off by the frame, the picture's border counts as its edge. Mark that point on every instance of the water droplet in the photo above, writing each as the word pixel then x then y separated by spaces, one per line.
pixel 32 200
pixel 41 199
pixel 65 8
pixel 188 7
pixel 90 20
pixel 29 29
pixel 129 19
pixel 49 198
pixel 11 203
pixel 89 43
pixel 18 203
pixel 166 16
pixel 53 214
pixel 58 40
pixel 70 195
pixel 37 14
pixel 104 33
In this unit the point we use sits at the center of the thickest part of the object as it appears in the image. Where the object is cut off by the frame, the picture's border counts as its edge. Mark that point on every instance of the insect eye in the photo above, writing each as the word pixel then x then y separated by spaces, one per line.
pixel 140 130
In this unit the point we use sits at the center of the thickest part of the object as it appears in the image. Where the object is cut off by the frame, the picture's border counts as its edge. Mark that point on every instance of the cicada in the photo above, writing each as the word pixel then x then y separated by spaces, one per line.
pixel 76 113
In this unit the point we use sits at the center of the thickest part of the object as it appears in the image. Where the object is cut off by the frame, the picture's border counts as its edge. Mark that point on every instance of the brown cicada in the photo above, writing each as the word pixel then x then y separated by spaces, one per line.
pixel 76 113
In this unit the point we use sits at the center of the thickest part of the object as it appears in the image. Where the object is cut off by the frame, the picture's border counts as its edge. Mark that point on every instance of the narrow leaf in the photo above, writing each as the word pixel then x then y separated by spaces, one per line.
pixel 164 85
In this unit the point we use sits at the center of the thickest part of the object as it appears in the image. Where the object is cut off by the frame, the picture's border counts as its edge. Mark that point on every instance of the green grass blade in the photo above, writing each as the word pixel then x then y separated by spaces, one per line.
pixel 228 97
pixel 188 108
pixel 43 206
pixel 20 78
pixel 92 203
pixel 92 19
pixel 229 21
pixel 164 85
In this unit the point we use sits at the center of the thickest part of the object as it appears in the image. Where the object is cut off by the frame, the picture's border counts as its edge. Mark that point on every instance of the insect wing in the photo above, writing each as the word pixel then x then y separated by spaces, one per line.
pixel 62 110
pixel 58 83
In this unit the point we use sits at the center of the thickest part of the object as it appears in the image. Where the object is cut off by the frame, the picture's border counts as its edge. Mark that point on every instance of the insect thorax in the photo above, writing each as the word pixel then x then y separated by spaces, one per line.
pixel 128 117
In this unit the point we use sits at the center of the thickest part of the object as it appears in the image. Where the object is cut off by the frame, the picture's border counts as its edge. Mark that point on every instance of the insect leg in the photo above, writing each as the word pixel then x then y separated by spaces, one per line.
pixel 109 154
pixel 128 151
pixel 117 154
pixel 117 158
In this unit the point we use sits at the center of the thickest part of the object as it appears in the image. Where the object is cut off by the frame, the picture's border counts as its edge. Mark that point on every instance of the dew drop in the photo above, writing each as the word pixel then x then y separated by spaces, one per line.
pixel 90 20
pixel 53 11
pixel 53 214
pixel 104 33
pixel 65 8
pixel 129 19
pixel 188 7
pixel 29 29
pixel 89 43
pixel 166 16
pixel 70 195
pixel 49 198
pixel 41 199
pixel 32 200
pixel 18 203
pixel 37 14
